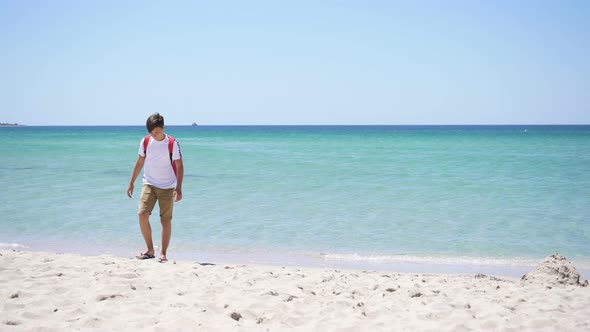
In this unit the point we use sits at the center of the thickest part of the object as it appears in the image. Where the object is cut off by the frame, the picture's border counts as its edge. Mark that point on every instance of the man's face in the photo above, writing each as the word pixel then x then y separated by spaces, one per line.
pixel 157 132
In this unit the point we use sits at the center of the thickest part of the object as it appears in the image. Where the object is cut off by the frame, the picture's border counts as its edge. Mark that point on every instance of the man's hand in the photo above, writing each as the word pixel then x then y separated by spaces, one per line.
pixel 177 195
pixel 136 169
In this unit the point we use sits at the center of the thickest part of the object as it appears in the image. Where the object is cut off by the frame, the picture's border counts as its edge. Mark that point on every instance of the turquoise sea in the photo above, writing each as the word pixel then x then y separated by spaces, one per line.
pixel 388 197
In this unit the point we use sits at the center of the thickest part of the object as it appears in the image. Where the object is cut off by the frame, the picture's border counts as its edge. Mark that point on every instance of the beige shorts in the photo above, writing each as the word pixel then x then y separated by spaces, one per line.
pixel 151 194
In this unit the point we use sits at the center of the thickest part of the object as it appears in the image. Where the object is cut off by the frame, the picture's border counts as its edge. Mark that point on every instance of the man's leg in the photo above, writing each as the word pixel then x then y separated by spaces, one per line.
pixel 146 231
pixel 166 234
pixel 166 201
pixel 147 201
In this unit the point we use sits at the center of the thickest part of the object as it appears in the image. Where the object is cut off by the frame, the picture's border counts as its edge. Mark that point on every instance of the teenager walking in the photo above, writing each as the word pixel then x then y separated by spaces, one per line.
pixel 161 160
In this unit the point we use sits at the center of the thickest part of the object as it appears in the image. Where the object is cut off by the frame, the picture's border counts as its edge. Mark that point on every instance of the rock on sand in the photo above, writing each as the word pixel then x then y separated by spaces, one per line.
pixel 555 270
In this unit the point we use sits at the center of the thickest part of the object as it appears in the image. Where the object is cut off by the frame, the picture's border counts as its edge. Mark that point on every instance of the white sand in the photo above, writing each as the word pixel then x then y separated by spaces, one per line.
pixel 43 291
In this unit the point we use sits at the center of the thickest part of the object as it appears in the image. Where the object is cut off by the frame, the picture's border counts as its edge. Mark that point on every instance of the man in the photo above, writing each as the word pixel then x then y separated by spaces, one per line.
pixel 161 160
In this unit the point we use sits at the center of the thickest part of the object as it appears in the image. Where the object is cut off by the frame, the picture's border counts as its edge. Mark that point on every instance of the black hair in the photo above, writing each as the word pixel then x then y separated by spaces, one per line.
pixel 154 121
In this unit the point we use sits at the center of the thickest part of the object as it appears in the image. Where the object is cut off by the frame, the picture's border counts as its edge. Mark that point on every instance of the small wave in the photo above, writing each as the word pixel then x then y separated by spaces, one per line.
pixel 12 245
pixel 17 168
pixel 491 261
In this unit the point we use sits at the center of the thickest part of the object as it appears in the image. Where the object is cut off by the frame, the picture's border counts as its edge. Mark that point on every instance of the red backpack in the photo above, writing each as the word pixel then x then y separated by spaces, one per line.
pixel 171 140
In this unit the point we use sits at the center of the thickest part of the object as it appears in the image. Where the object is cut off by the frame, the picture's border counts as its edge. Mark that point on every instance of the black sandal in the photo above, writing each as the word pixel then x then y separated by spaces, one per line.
pixel 145 255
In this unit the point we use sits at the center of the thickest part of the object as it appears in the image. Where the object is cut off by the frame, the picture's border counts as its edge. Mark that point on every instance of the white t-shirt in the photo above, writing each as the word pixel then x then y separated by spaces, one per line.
pixel 157 169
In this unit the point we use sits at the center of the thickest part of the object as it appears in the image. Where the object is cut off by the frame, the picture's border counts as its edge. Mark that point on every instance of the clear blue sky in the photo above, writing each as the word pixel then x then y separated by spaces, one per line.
pixel 295 62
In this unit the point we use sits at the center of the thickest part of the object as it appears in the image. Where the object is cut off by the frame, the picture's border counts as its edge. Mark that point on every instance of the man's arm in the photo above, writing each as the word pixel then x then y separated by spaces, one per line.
pixel 179 178
pixel 136 169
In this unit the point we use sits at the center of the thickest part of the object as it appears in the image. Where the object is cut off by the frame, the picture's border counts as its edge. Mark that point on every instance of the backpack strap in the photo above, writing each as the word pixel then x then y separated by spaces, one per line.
pixel 171 141
pixel 146 140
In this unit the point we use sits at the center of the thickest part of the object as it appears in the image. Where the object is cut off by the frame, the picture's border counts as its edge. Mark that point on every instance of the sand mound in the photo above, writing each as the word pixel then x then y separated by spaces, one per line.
pixel 555 270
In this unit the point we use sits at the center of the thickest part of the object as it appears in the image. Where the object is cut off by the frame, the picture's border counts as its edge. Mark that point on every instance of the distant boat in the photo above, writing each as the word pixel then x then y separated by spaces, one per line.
pixel 194 124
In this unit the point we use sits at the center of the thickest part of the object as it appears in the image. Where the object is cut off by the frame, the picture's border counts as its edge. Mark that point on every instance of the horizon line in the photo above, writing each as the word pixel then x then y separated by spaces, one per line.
pixel 298 125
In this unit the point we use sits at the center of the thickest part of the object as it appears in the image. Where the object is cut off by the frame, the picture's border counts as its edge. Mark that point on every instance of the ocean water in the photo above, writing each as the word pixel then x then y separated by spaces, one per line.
pixel 364 195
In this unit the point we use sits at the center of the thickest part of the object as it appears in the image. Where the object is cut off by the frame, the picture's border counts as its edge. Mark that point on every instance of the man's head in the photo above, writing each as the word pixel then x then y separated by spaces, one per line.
pixel 154 121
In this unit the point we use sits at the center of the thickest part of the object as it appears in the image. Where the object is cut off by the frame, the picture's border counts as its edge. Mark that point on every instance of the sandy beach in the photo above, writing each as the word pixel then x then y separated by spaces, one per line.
pixel 60 292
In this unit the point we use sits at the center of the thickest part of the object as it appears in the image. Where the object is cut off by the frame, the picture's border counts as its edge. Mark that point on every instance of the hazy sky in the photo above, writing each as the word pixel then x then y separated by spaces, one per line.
pixel 295 62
